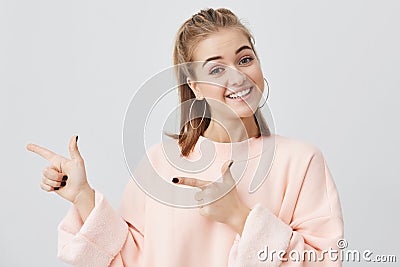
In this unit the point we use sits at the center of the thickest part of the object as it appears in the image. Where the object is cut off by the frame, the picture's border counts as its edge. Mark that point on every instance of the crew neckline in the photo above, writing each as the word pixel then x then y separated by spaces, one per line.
pixel 237 151
pixel 251 139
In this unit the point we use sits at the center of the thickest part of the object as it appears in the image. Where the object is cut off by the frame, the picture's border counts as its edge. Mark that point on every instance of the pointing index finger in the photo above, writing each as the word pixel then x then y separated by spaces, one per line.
pixel 191 182
pixel 41 151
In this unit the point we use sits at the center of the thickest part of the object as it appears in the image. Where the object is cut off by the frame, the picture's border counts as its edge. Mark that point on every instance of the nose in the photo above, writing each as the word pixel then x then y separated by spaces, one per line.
pixel 236 77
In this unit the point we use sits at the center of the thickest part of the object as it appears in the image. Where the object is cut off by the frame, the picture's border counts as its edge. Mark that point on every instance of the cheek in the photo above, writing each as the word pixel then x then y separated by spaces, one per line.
pixel 256 76
pixel 212 91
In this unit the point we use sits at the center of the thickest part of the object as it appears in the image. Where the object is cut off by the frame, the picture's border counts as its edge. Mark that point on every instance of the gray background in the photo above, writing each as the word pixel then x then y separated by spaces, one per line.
pixel 71 67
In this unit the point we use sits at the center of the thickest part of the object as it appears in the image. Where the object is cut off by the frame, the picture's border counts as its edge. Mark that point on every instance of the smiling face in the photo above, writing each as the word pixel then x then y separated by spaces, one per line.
pixel 227 65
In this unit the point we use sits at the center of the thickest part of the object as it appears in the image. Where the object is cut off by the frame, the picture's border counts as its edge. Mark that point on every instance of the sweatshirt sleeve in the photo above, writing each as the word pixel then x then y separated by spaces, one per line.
pixel 108 237
pixel 316 225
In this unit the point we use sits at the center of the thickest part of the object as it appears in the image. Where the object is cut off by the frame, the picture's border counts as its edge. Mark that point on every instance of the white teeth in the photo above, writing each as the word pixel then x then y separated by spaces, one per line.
pixel 239 94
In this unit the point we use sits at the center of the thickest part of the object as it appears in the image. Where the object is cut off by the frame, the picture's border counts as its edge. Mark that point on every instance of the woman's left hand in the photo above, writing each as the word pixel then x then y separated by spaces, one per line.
pixel 229 209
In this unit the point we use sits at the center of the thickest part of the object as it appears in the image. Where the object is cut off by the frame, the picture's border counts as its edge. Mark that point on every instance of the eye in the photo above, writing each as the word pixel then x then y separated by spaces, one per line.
pixel 245 60
pixel 216 70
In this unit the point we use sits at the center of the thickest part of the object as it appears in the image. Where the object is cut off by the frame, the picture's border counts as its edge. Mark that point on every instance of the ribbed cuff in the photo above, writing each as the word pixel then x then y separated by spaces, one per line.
pixel 95 242
pixel 262 229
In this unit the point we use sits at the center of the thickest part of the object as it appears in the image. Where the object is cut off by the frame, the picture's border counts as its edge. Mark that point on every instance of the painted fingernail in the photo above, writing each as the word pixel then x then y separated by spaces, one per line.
pixel 175 180
pixel 65 177
pixel 76 138
pixel 230 164
pixel 56 188
pixel 63 183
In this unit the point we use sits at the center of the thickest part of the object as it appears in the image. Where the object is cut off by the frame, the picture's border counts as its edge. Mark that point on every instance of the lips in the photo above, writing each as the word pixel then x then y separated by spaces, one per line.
pixel 240 93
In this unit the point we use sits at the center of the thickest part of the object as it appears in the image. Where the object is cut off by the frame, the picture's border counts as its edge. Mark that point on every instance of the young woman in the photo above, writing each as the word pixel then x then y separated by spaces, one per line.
pixel 293 211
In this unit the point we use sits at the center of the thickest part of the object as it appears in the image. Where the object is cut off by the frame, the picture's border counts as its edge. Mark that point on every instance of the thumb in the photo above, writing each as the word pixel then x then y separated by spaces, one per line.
pixel 226 171
pixel 73 148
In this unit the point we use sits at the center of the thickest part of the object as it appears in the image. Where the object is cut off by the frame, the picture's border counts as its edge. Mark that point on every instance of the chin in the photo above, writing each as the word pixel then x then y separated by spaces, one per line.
pixel 245 112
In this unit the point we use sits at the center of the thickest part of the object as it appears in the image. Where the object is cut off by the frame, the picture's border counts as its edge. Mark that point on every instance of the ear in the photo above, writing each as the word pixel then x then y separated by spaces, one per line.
pixel 195 88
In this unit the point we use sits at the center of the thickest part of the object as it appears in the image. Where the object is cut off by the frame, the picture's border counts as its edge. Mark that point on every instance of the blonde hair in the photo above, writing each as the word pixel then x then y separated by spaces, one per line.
pixel 192 31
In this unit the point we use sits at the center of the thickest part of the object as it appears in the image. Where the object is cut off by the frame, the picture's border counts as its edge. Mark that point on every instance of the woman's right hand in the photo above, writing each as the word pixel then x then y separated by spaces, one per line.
pixel 72 187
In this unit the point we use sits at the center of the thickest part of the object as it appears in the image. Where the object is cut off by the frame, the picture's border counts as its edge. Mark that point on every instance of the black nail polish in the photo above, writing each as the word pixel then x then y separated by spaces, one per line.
pixel 175 180
pixel 76 138
pixel 63 183
pixel 230 164
pixel 65 177
pixel 56 188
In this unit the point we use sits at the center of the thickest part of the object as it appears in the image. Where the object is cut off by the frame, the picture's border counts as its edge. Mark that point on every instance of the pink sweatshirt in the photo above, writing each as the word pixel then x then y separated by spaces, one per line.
pixel 296 208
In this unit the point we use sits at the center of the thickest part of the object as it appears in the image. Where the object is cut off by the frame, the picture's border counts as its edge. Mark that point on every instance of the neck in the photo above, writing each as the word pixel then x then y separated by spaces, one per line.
pixel 232 130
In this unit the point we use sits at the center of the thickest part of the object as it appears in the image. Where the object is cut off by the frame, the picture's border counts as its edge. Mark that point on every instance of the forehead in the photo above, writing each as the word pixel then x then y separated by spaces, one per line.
pixel 223 43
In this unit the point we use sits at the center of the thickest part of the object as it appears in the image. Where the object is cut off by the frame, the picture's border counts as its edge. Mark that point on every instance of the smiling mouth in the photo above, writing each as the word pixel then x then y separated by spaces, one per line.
pixel 240 94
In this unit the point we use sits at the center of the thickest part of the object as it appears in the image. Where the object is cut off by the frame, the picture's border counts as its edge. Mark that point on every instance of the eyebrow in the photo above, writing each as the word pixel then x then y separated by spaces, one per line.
pixel 219 57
